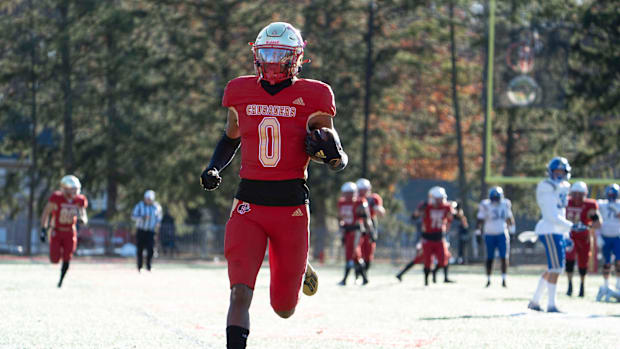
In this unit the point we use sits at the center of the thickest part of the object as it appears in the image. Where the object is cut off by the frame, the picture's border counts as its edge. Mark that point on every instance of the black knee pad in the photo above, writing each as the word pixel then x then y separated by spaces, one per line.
pixel 570 266
pixel 583 271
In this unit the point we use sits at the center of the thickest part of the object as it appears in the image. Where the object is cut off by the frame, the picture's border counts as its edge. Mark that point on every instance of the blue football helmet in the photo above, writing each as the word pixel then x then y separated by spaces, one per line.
pixel 559 163
pixel 496 194
pixel 611 192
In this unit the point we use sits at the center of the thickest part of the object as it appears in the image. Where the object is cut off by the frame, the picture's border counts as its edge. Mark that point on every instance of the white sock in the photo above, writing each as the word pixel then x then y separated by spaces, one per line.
pixel 542 283
pixel 618 283
pixel 504 277
pixel 551 302
pixel 606 283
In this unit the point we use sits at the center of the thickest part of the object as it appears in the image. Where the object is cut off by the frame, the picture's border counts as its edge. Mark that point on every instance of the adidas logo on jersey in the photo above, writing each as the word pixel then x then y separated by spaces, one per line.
pixel 297 213
pixel 299 101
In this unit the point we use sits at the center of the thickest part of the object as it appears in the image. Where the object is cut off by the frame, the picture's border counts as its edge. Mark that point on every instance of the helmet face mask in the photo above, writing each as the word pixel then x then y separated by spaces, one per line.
pixel 275 64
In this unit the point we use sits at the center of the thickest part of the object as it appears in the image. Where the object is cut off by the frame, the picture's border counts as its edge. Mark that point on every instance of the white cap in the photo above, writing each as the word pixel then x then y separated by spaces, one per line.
pixel 149 194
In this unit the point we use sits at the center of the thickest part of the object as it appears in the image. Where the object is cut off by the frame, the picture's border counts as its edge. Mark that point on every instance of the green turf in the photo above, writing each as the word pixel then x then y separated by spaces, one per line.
pixel 184 306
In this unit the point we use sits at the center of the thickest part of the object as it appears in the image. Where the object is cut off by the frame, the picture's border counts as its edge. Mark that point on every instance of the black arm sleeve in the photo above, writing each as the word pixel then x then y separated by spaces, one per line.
pixel 224 152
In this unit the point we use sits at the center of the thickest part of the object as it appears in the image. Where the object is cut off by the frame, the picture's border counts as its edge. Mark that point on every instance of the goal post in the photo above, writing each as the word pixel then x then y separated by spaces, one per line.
pixel 489 177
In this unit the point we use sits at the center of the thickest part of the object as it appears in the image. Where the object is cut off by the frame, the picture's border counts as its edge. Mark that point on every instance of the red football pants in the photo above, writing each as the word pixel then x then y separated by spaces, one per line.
pixel 581 249
pixel 433 248
pixel 367 247
pixel 62 243
pixel 351 249
pixel 249 229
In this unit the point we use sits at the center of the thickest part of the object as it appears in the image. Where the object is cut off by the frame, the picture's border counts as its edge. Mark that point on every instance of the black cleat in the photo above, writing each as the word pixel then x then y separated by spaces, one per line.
pixel 342 283
pixel 553 310
pixel 435 276
pixel 504 283
pixel 569 292
pixel 399 277
pixel 488 284
pixel 581 291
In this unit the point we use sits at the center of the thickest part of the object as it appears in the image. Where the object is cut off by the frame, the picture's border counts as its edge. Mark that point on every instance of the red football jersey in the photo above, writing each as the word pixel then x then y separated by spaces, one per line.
pixel 436 218
pixel 348 210
pixel 273 128
pixel 582 212
pixel 65 211
pixel 374 201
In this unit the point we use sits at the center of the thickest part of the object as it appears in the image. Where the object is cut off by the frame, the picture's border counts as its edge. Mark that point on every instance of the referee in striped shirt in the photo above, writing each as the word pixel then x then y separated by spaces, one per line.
pixel 147 214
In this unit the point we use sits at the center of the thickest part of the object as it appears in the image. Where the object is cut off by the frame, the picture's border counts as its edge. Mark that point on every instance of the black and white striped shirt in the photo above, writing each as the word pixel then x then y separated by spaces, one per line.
pixel 147 217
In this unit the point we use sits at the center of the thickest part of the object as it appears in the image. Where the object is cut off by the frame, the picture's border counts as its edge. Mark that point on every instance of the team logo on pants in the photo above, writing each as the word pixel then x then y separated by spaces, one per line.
pixel 243 208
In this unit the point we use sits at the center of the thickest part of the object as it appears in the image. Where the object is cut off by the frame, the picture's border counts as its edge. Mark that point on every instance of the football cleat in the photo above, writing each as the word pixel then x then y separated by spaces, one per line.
pixel 399 277
pixel 311 281
pixel 553 310
pixel 504 284
pixel 488 284
pixel 534 306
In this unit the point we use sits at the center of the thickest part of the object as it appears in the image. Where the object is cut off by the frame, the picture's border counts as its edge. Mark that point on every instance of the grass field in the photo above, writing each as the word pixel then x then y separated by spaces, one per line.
pixel 107 304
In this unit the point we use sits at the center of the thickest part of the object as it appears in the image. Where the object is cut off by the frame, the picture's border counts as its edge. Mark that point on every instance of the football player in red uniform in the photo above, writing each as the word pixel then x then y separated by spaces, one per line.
pixel 583 212
pixel 437 215
pixel 368 240
pixel 280 121
pixel 66 206
pixel 353 218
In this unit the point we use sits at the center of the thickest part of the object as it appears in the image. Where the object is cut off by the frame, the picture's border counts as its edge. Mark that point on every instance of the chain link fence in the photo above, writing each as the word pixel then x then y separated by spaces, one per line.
pixel 99 238
pixel 206 241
